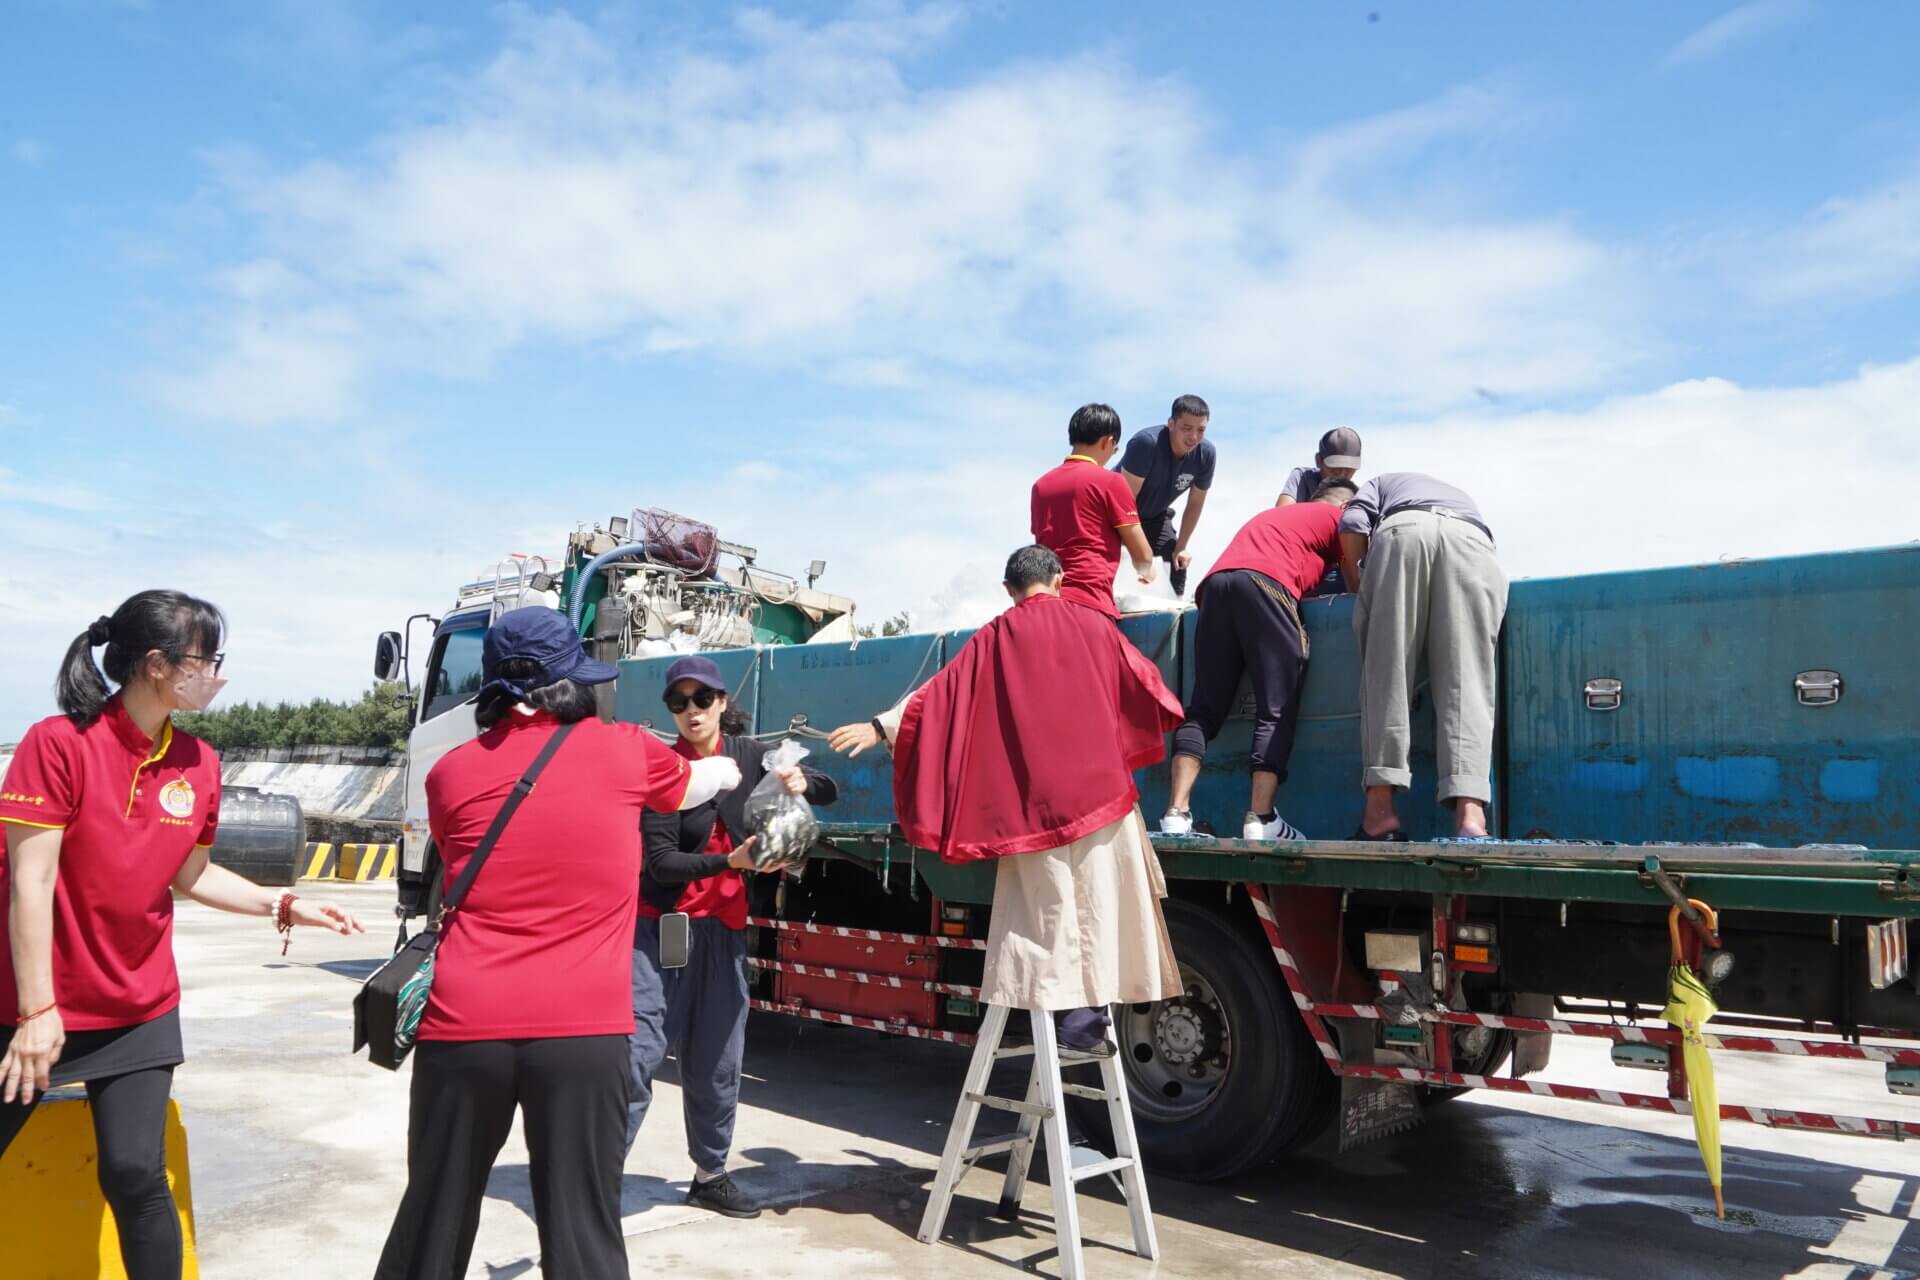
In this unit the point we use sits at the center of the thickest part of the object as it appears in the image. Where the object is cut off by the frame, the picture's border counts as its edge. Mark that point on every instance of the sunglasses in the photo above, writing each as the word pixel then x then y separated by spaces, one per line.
pixel 677 702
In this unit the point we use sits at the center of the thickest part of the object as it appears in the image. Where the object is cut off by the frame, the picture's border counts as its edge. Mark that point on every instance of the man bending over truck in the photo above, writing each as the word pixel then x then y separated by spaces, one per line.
pixel 1431 586
pixel 1250 620
pixel 1023 749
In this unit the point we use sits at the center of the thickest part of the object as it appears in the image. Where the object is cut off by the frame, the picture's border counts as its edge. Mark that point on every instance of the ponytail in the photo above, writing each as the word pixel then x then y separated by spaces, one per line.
pixel 171 623
pixel 81 691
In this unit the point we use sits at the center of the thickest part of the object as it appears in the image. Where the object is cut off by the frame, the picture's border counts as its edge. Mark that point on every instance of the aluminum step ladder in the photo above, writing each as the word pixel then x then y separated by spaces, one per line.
pixel 1039 1111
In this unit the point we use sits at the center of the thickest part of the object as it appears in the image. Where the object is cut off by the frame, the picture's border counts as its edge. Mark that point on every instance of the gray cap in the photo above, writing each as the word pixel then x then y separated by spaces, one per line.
pixel 1340 447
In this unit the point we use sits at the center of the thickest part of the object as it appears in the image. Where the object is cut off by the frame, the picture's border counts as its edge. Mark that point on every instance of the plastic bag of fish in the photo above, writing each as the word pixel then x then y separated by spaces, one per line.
pixel 783 821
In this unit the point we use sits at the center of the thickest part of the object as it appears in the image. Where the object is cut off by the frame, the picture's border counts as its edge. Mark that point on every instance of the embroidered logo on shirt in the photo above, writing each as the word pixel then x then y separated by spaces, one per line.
pixel 14 797
pixel 177 798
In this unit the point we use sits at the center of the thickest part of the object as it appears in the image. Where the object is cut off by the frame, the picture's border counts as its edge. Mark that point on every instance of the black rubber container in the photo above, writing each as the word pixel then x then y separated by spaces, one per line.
pixel 261 836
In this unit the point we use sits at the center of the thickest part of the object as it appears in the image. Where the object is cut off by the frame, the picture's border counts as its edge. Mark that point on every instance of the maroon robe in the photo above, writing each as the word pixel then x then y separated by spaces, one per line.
pixel 1028 739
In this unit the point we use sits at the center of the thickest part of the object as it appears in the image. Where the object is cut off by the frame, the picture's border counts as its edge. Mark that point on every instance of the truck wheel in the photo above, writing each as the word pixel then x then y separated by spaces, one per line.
pixel 1225 1077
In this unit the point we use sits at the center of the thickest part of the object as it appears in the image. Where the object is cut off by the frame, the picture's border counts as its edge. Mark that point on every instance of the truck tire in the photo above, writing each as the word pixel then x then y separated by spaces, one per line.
pixel 1225 1078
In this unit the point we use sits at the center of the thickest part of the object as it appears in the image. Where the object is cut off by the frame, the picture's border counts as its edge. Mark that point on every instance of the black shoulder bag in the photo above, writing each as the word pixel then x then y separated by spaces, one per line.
pixel 387 1010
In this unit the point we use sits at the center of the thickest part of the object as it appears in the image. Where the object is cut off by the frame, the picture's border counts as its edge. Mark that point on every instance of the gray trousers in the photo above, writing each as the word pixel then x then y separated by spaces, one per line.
pixel 1432 588
pixel 700 1014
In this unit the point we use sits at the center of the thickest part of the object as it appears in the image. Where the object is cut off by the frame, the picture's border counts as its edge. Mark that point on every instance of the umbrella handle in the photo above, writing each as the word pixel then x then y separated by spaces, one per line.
pixel 1673 926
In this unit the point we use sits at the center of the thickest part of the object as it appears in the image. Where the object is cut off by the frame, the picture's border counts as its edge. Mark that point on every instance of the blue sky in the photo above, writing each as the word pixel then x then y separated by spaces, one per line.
pixel 315 309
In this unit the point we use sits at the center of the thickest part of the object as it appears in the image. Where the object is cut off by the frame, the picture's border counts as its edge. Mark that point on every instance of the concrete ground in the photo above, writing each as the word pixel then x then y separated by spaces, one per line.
pixel 298 1156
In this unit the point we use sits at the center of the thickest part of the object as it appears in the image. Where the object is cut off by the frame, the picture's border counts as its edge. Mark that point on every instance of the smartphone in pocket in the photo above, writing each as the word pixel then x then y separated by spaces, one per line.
pixel 676 940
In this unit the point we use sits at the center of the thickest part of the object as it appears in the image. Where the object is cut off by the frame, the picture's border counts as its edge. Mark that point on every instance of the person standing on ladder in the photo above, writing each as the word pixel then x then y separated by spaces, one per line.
pixel 1023 749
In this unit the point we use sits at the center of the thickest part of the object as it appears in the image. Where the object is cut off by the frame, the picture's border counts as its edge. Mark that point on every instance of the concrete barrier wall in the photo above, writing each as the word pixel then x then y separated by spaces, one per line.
pixel 349 792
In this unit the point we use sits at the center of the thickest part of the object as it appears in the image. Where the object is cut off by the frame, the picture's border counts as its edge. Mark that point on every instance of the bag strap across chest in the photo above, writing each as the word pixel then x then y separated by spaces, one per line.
pixel 456 895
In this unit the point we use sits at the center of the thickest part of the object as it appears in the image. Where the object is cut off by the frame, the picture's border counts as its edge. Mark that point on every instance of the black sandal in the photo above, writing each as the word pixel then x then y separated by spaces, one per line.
pixel 1396 836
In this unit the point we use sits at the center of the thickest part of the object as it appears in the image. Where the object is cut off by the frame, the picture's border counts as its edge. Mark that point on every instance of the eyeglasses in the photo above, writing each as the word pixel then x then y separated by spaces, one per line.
pixel 217 659
pixel 677 702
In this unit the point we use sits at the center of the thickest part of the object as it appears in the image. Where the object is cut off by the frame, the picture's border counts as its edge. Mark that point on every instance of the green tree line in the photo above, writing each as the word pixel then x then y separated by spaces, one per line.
pixel 378 719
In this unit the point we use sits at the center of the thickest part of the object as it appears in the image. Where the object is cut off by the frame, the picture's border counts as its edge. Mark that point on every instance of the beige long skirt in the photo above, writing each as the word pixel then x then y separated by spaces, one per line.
pixel 1080 926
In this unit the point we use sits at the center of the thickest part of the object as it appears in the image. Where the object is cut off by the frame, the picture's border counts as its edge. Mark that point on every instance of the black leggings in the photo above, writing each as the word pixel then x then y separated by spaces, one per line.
pixel 130 1129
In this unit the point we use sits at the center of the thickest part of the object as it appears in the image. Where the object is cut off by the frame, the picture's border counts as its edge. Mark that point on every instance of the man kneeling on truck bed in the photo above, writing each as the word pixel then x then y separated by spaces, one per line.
pixel 1025 744
pixel 1432 585
pixel 1250 619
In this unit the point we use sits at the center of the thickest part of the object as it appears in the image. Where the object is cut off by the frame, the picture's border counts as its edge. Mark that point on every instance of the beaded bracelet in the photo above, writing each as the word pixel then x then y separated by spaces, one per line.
pixel 283 919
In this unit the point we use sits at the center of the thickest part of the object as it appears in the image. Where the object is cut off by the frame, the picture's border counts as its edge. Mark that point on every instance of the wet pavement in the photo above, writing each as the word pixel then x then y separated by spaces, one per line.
pixel 298 1155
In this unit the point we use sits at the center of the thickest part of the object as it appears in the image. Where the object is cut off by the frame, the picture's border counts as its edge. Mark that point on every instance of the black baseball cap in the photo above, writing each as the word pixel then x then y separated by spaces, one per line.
pixel 1340 447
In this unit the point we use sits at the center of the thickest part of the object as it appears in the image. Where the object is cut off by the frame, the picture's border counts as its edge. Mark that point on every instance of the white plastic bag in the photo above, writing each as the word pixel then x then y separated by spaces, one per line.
pixel 784 822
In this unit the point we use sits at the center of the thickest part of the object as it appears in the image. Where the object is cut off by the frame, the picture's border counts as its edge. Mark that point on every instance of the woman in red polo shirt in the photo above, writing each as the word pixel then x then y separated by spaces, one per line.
pixel 109 811
pixel 531 1005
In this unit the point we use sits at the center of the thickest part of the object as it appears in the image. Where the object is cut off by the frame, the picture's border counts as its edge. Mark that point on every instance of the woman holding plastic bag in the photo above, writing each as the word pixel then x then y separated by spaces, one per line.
pixel 690 994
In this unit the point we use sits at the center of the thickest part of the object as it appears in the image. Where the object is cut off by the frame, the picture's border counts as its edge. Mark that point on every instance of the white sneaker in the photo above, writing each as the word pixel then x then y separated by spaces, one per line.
pixel 1177 822
pixel 1252 828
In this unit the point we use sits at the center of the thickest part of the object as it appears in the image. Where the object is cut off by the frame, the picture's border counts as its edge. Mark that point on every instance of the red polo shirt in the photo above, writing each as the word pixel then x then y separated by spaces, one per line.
pixel 1079 508
pixel 1294 545
pixel 133 811
pixel 543 944
pixel 720 897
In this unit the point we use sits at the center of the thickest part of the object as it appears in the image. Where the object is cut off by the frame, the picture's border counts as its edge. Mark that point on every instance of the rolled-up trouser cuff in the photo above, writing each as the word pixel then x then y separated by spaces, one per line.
pixel 1378 777
pixel 1465 786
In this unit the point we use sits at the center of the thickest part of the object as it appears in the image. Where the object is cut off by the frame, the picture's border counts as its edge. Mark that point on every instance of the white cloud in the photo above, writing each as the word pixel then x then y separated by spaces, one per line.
pixel 30 152
pixel 56 494
pixel 1853 246
pixel 1745 22
pixel 806 206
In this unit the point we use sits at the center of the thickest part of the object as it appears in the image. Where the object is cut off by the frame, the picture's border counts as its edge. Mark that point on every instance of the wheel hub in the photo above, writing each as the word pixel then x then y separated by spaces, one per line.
pixel 1185 1032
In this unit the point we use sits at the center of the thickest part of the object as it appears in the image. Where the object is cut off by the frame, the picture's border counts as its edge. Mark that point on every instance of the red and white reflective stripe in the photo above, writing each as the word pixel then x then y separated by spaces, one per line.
pixel 855 975
pixel 865 1024
pixel 1295 983
pixel 1644 1035
pixel 867 935
pixel 1859 1126
pixel 1310 1014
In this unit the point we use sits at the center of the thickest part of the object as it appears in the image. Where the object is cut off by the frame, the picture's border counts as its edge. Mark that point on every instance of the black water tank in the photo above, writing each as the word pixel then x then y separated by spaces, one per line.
pixel 261 836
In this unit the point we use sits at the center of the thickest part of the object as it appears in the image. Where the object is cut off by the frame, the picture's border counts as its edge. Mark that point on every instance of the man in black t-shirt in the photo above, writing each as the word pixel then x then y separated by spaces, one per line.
pixel 1160 464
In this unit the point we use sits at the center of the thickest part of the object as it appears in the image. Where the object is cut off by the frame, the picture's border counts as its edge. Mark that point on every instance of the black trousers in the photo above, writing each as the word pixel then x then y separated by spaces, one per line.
pixel 1247 623
pixel 573 1093
pixel 130 1130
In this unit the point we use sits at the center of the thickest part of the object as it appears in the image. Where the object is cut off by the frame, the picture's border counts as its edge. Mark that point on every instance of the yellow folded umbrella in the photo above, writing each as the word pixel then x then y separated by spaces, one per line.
pixel 1689 1005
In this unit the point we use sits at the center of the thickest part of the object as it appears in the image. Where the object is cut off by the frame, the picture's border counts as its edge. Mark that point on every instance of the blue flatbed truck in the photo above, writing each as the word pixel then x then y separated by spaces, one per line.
pixel 1743 735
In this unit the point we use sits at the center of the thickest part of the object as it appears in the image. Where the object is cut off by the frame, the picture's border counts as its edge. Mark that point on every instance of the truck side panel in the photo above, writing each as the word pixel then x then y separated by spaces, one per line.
pixel 1711 741
pixel 836 684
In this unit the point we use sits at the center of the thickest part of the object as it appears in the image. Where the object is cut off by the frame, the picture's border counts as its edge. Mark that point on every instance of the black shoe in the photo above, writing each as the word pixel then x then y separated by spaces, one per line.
pixel 1177 579
pixel 1395 836
pixel 723 1195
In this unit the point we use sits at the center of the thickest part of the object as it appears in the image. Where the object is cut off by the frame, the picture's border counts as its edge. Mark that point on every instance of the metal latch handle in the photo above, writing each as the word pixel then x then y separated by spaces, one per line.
pixel 1818 688
pixel 1604 694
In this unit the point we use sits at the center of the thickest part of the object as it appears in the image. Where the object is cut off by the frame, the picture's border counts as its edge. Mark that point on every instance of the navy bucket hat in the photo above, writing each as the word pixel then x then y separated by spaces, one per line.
pixel 538 634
